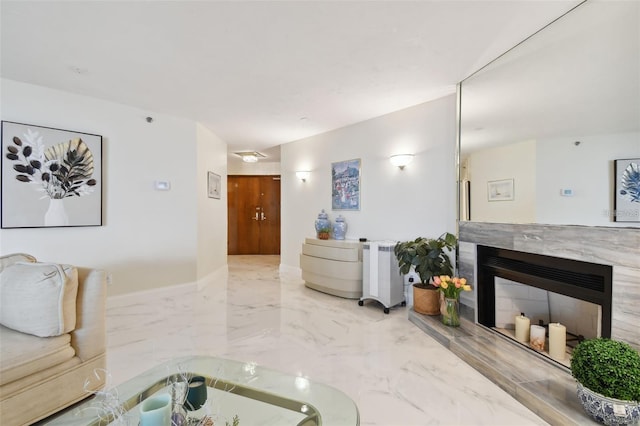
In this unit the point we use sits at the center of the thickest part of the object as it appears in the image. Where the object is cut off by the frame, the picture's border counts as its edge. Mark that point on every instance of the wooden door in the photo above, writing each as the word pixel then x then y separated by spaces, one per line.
pixel 253 214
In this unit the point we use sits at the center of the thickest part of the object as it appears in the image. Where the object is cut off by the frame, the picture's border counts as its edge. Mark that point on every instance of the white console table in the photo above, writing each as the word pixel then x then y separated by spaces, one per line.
pixel 333 266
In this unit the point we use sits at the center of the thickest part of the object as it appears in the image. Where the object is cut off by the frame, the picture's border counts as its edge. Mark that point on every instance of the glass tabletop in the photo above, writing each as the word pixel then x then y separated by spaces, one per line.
pixel 248 392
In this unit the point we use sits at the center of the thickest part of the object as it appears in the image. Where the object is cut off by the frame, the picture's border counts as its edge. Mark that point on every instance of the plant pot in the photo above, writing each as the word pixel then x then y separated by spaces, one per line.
pixel 323 235
pixel 609 411
pixel 426 299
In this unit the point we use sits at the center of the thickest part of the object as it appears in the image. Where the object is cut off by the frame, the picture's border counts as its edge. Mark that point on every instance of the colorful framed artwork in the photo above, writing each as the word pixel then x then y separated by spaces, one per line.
pixel 214 183
pixel 345 185
pixel 500 190
pixel 50 177
pixel 627 190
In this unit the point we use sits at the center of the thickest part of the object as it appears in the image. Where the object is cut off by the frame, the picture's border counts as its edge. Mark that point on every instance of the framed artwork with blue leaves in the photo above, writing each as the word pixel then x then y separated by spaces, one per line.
pixel 627 190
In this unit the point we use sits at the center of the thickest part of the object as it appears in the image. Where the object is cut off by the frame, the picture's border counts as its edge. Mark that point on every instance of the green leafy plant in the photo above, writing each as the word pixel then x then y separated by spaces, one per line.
pixel 427 255
pixel 608 367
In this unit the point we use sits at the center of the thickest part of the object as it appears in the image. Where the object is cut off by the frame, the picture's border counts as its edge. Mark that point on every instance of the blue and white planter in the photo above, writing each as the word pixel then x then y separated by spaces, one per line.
pixel 610 411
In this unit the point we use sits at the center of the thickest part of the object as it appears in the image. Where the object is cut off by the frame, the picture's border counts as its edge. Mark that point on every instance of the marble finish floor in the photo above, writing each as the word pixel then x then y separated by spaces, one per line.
pixel 395 373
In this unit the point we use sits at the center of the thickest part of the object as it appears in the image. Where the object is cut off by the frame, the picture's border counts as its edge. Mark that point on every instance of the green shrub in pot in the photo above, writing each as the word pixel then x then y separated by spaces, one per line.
pixel 608 375
pixel 608 367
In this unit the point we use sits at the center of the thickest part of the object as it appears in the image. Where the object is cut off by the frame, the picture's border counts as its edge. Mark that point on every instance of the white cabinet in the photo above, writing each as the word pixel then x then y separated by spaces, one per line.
pixel 333 266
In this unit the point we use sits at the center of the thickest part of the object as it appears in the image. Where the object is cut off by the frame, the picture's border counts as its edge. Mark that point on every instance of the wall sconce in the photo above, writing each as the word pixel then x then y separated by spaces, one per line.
pixel 401 160
pixel 303 175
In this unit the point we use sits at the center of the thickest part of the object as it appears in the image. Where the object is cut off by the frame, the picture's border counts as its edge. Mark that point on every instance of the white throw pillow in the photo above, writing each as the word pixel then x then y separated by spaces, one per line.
pixel 10 259
pixel 39 298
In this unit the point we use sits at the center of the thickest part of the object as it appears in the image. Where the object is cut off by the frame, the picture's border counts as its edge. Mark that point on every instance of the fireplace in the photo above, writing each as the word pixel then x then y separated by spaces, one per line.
pixel 547 289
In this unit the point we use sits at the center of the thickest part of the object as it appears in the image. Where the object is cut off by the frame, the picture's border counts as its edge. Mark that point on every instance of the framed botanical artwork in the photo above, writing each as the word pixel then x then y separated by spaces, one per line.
pixel 500 190
pixel 345 185
pixel 627 190
pixel 50 177
pixel 213 185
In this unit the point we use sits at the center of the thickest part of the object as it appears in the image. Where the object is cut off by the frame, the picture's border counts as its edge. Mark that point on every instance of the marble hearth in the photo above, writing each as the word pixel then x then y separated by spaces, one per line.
pixel 546 389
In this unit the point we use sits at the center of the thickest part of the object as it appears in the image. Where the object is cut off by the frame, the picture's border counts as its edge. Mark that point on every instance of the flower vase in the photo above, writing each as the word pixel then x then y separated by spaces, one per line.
pixel 56 215
pixel 451 312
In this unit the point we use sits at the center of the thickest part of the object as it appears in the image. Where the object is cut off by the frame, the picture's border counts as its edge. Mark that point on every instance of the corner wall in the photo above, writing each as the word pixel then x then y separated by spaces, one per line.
pixel 212 212
pixel 395 204
pixel 149 238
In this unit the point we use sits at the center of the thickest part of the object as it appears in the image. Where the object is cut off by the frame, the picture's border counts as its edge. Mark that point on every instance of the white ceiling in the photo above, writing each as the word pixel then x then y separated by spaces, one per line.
pixel 260 74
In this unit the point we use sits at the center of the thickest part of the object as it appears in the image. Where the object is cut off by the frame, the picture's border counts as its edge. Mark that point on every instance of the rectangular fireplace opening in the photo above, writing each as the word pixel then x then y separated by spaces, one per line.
pixel 548 290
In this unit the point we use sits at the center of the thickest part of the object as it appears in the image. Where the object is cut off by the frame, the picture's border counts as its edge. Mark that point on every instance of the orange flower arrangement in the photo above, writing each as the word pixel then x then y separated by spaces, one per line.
pixel 451 287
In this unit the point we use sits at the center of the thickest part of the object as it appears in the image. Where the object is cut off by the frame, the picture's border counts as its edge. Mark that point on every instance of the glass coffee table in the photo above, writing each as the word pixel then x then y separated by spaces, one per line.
pixel 256 395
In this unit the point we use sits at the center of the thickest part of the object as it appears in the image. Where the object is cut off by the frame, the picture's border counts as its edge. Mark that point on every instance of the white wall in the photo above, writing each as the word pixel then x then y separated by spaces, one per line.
pixel 212 212
pixel 149 238
pixel 259 168
pixel 586 168
pixel 515 161
pixel 395 204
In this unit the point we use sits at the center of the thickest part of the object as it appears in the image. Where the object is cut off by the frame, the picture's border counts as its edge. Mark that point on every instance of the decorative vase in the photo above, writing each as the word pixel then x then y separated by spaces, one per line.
pixel 339 228
pixel 609 411
pixel 323 225
pixel 451 314
pixel 56 215
pixel 426 299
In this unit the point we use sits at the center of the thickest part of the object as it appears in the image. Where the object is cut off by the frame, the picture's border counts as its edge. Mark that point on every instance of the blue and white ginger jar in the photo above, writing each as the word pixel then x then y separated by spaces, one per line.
pixel 339 228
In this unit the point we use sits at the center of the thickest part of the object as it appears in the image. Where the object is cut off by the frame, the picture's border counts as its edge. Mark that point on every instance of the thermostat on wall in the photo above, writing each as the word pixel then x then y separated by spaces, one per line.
pixel 162 185
pixel 566 192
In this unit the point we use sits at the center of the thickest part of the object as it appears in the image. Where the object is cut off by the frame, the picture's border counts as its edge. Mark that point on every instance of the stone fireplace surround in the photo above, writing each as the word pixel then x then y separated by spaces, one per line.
pixel 543 386
pixel 618 247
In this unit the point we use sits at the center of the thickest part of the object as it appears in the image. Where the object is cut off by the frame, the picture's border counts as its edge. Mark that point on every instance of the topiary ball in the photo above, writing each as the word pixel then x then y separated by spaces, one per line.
pixel 608 367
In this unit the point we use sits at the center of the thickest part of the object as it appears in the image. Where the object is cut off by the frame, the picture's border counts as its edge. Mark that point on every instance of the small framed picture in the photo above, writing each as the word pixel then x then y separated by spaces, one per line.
pixel 500 190
pixel 627 190
pixel 213 185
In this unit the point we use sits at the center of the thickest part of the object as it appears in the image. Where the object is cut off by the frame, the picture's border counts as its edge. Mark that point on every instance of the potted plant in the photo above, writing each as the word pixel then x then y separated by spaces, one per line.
pixel 324 233
pixel 429 258
pixel 608 376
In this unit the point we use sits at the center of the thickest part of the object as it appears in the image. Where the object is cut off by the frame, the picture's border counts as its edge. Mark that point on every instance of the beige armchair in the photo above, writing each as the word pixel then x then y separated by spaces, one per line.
pixel 48 352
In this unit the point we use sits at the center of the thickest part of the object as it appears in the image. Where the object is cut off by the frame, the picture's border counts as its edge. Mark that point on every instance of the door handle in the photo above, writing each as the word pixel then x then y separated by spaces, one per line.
pixel 263 217
pixel 256 217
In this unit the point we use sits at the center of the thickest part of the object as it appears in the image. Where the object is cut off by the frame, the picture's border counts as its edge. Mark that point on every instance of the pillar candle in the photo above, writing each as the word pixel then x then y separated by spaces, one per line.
pixel 522 328
pixel 156 411
pixel 537 337
pixel 557 341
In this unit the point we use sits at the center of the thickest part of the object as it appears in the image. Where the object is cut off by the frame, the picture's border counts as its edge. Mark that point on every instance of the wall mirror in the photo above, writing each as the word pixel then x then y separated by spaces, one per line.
pixel 542 125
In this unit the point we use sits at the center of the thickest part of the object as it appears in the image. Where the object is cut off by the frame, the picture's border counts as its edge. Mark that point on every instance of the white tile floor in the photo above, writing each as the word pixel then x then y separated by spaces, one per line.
pixel 395 373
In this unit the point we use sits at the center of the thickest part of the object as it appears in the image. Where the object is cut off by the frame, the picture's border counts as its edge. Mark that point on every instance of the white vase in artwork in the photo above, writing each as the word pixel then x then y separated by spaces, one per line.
pixel 56 214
